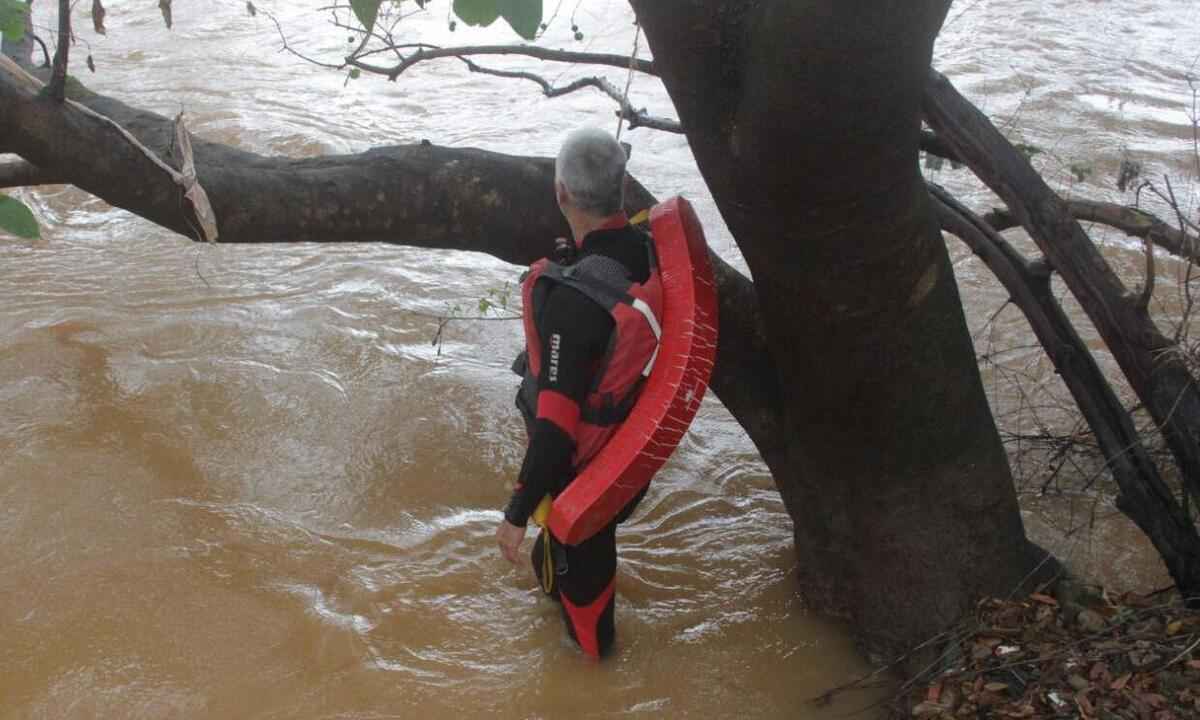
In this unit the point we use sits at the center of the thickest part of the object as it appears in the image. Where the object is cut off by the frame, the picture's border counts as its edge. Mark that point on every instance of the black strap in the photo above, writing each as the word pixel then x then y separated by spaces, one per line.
pixel 602 280
pixel 612 413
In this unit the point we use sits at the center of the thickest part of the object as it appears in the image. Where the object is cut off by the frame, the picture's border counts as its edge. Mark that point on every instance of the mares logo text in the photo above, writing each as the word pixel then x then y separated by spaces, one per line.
pixel 555 341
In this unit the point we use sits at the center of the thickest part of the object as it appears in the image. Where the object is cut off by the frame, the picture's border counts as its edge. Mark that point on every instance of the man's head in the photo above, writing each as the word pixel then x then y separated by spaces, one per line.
pixel 589 173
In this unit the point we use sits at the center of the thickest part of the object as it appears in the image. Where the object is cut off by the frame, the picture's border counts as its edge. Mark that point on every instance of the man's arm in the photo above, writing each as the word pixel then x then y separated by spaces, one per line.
pixel 574 334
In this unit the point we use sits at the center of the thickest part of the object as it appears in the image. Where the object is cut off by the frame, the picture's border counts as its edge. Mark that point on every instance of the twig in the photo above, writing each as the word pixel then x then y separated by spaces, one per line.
pixel 58 79
pixel 290 49
pixel 45 51
pixel 534 51
pixel 1181 655
pixel 635 118
pixel 628 81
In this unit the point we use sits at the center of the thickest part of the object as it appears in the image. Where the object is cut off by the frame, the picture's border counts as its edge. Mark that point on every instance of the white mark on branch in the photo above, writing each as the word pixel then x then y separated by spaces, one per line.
pixel 193 191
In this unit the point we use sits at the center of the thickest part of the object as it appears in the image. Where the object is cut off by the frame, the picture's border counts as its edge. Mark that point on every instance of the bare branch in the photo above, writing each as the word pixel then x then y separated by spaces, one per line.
pixel 1129 220
pixel 1151 362
pixel 18 173
pixel 541 53
pixel 290 49
pixel 58 80
pixel 635 118
pixel 45 50
pixel 1145 497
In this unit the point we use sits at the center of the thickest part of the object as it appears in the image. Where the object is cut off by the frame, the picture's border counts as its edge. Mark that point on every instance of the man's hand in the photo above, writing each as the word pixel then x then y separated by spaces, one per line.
pixel 509 537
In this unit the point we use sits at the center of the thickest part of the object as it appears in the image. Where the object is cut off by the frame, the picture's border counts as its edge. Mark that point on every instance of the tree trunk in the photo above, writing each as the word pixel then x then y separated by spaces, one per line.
pixel 893 471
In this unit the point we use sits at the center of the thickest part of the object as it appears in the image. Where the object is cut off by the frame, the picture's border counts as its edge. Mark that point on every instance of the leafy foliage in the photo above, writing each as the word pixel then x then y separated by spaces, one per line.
pixel 524 16
pixel 16 219
pixel 12 19
pixel 366 11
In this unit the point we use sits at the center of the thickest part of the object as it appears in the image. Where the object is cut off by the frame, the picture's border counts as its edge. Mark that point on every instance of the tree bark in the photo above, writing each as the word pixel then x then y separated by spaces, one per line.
pixel 893 470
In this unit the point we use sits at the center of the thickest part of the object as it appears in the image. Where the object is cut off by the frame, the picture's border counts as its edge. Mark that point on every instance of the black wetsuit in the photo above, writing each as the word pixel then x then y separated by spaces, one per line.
pixel 584 572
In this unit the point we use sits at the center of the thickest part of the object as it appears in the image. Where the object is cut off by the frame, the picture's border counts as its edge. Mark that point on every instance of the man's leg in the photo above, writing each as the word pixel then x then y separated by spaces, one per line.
pixel 587 591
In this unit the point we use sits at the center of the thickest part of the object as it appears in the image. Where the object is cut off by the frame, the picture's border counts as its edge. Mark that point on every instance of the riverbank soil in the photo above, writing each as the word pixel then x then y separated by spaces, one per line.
pixel 1075 653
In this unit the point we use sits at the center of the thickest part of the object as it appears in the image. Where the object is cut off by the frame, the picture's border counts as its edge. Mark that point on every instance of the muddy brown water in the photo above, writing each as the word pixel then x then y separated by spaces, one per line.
pixel 242 482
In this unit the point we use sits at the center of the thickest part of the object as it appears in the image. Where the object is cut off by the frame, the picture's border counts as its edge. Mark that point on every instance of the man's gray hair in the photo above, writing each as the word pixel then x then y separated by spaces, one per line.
pixel 591 164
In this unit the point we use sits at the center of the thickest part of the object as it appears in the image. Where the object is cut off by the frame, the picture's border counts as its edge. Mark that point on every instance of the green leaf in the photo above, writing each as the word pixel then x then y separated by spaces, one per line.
pixel 477 12
pixel 12 19
pixel 366 11
pixel 525 16
pixel 16 219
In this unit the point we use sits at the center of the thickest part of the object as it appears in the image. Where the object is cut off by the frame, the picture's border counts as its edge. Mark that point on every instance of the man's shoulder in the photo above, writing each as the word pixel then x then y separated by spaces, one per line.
pixel 568 299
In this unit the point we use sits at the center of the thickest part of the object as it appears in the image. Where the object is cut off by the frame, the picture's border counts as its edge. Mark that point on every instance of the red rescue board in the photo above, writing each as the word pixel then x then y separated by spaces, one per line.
pixel 673 391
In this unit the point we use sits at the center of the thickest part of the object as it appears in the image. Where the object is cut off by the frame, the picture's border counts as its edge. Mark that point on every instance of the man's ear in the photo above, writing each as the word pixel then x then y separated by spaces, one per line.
pixel 561 194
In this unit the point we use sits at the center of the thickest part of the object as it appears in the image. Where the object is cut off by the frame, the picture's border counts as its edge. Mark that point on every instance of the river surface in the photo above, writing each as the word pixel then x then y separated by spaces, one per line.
pixel 243 482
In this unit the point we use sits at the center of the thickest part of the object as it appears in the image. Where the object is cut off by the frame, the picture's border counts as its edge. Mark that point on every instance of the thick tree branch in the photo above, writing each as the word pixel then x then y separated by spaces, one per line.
pixel 18 173
pixel 430 52
pixel 419 195
pixel 1131 221
pixel 934 145
pixel 26 109
pixel 1149 360
pixel 1144 496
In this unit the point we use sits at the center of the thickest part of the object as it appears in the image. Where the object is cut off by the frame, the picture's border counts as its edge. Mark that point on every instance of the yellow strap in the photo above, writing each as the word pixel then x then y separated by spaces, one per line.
pixel 542 512
pixel 547 564
pixel 540 516
pixel 640 217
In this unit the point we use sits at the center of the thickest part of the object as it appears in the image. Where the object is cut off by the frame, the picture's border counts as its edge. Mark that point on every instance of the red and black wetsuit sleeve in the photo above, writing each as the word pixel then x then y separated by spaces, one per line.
pixel 574 333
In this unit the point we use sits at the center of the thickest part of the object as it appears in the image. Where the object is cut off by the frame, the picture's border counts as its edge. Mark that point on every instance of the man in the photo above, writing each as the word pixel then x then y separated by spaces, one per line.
pixel 575 348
